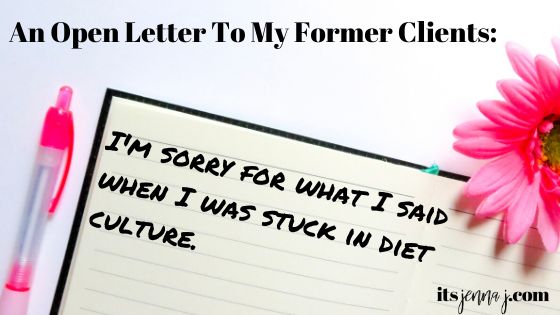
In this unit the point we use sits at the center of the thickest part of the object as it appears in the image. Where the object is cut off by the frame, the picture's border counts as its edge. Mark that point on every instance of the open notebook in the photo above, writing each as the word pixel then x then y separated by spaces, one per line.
pixel 233 264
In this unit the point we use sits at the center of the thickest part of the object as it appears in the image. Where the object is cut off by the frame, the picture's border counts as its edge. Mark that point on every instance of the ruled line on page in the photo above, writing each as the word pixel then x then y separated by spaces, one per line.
pixel 261 246
pixel 92 311
pixel 490 218
pixel 220 299
pixel 542 306
pixel 277 167
pixel 497 258
pixel 498 239
pixel 247 264
pixel 446 285
pixel 270 227
pixel 223 279
pixel 150 304
pixel 285 189
pixel 523 302
pixel 263 205
pixel 244 182
pixel 455 307
pixel 233 281
pixel 231 178
pixel 490 276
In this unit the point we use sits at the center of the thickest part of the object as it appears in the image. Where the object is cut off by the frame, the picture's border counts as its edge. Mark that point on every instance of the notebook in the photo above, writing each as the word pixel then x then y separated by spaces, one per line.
pixel 185 212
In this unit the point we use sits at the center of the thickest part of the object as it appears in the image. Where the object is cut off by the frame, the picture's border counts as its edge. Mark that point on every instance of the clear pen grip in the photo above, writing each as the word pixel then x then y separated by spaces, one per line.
pixel 40 193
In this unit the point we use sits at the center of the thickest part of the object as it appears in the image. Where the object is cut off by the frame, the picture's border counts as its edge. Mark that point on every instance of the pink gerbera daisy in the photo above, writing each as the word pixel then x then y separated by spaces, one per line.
pixel 522 133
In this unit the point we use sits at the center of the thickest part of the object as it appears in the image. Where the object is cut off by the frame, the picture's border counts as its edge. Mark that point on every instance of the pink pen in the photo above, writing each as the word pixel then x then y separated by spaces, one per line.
pixel 57 139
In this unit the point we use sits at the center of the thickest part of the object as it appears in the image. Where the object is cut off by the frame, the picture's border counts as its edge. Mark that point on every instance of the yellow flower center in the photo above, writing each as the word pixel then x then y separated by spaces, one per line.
pixel 550 144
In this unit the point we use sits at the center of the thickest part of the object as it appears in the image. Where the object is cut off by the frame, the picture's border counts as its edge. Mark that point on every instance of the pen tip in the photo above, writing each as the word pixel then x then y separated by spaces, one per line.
pixel 64 97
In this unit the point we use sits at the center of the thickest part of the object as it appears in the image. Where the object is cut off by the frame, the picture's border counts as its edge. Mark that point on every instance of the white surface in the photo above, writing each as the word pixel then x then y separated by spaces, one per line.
pixel 396 99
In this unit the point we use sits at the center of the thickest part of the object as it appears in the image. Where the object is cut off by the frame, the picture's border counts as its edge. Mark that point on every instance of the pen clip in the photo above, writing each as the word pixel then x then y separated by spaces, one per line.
pixel 56 198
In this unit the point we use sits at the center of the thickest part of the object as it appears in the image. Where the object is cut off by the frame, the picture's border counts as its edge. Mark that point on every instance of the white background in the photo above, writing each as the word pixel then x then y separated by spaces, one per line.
pixel 396 99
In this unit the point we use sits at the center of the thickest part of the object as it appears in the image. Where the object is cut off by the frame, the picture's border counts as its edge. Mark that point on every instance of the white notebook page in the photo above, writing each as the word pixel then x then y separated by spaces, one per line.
pixel 472 255
pixel 243 267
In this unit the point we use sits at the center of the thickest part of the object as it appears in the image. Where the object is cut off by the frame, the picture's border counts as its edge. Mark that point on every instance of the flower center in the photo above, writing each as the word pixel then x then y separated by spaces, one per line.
pixel 550 144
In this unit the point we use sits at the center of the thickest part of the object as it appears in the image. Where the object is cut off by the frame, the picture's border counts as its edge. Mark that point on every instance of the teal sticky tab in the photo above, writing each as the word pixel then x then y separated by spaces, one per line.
pixel 434 169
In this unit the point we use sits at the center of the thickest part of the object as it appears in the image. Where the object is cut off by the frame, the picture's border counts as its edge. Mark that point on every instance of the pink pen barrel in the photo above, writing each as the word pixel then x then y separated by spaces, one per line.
pixel 13 302
pixel 43 182
pixel 55 140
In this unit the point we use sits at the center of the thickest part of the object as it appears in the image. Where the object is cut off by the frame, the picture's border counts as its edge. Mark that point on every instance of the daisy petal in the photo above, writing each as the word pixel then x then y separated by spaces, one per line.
pixel 503 114
pixel 483 148
pixel 484 128
pixel 525 98
pixel 550 182
pixel 548 222
pixel 495 174
pixel 521 212
pixel 522 62
pixel 556 46
pixel 549 77
pixel 501 199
